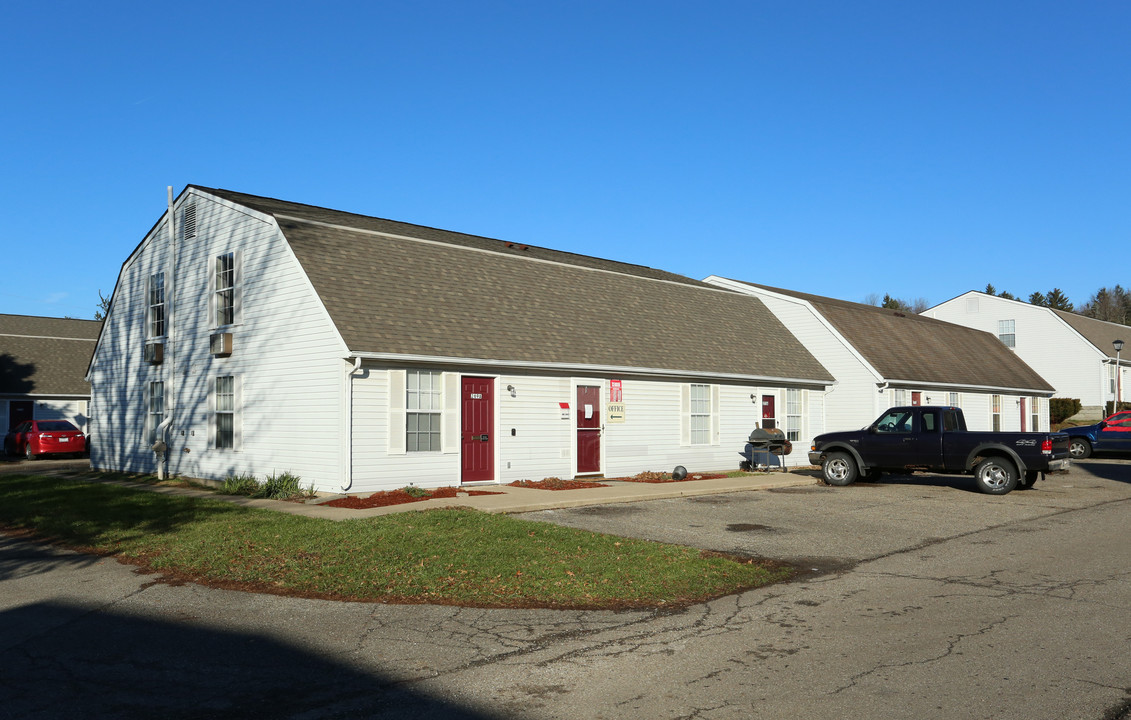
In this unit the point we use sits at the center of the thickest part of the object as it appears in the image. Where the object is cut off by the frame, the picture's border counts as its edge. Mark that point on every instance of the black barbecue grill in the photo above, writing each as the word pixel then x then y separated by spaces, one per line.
pixel 764 443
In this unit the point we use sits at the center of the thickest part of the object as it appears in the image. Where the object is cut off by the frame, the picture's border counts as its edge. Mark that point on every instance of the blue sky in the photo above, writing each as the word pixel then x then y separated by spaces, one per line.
pixel 919 149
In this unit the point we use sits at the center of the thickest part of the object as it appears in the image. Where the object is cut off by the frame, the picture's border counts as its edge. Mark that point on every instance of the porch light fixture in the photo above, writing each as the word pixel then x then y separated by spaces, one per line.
pixel 510 389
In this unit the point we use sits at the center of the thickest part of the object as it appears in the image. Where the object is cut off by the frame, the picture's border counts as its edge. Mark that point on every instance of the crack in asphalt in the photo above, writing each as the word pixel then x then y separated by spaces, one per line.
pixel 950 648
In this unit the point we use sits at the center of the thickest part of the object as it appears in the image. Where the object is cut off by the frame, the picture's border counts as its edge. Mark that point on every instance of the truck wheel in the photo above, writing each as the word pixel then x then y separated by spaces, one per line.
pixel 839 469
pixel 1079 448
pixel 995 476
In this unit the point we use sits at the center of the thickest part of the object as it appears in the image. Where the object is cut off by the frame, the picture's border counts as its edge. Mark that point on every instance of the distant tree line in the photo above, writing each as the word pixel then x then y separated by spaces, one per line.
pixel 1109 304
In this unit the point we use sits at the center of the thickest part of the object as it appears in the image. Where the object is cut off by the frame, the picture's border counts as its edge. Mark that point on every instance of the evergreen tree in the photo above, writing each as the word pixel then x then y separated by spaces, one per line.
pixel 1111 305
pixel 1057 300
pixel 1038 298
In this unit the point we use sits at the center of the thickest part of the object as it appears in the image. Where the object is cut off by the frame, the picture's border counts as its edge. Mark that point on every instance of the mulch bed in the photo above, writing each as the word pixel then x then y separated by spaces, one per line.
pixel 399 497
pixel 556 484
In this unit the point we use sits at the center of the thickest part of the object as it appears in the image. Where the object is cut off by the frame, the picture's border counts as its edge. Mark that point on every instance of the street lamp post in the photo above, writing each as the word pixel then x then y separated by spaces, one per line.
pixel 1118 345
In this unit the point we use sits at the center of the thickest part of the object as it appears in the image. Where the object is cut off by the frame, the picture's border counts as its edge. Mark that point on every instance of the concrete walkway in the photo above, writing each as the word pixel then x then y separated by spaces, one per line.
pixel 506 500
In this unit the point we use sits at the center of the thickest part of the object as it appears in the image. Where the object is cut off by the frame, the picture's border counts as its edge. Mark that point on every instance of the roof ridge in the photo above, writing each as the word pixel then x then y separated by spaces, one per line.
pixel 509 243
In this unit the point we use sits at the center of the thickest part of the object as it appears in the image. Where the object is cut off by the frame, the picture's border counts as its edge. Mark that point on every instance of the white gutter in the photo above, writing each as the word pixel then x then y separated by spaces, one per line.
pixel 347 470
pixel 911 384
pixel 569 367
pixel 169 397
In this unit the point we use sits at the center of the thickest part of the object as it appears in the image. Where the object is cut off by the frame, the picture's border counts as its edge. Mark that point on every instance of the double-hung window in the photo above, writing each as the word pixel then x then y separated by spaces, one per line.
pixel 424 405
pixel 1007 332
pixel 997 413
pixel 792 414
pixel 1035 414
pixel 225 412
pixel 155 314
pixel 700 414
pixel 224 296
pixel 156 413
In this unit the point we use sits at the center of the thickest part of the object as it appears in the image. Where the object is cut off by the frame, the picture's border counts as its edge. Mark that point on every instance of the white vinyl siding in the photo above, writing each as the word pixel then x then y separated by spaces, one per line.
pixel 1074 369
pixel 287 357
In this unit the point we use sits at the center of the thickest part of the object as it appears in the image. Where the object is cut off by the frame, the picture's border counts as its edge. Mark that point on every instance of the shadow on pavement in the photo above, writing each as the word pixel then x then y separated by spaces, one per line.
pixel 82 662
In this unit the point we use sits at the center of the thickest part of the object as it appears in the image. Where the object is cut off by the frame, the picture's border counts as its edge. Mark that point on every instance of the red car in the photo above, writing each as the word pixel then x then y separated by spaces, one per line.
pixel 33 438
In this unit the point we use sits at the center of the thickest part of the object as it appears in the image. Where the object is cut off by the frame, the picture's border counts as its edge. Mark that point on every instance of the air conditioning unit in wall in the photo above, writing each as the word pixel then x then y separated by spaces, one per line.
pixel 220 344
pixel 154 353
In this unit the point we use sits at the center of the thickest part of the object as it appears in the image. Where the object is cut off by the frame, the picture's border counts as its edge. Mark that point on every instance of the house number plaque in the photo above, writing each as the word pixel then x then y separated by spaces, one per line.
pixel 476 396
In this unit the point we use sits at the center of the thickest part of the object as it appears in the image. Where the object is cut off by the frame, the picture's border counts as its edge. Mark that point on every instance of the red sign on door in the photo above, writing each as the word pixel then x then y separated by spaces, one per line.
pixel 615 394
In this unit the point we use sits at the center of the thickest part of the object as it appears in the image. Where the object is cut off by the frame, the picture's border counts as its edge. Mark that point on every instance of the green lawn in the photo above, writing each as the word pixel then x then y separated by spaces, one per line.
pixel 461 557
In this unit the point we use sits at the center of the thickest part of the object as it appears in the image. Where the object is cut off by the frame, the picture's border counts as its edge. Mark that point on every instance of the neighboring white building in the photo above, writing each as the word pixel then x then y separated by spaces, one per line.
pixel 1074 353
pixel 43 362
pixel 883 358
pixel 256 335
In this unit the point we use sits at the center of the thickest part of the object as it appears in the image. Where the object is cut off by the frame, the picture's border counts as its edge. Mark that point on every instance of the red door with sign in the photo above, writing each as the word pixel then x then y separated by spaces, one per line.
pixel 477 446
pixel 588 429
pixel 1022 403
pixel 769 412
pixel 916 398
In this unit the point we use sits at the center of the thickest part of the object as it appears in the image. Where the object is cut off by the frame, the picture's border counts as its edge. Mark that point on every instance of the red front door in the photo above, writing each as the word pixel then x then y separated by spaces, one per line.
pixel 588 429
pixel 916 398
pixel 477 444
pixel 769 413
pixel 1023 415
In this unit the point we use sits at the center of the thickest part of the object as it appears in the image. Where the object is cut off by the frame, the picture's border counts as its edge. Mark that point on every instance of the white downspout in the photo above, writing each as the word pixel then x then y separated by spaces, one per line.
pixel 170 285
pixel 347 474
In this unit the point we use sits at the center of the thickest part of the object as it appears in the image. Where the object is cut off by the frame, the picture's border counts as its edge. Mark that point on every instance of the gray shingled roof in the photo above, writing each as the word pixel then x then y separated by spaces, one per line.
pixel 45 356
pixel 1098 332
pixel 406 290
pixel 906 346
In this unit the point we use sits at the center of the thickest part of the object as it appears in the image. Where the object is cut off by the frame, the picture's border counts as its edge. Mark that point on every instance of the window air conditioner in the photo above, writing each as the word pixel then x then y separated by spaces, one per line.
pixel 154 353
pixel 220 344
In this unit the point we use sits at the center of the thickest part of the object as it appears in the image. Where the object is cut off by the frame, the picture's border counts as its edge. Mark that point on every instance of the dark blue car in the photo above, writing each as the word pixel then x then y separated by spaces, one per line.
pixel 1111 435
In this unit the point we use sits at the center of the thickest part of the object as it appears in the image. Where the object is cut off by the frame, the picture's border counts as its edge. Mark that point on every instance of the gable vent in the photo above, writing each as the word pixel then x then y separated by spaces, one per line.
pixel 188 222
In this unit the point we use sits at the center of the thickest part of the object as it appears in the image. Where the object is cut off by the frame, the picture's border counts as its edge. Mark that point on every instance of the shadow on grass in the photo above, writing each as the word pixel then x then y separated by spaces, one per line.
pixel 64 661
pixel 85 514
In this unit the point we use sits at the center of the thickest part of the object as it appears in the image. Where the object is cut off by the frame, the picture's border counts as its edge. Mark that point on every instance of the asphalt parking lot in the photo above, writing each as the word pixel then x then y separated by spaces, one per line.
pixel 917 597
pixel 825 528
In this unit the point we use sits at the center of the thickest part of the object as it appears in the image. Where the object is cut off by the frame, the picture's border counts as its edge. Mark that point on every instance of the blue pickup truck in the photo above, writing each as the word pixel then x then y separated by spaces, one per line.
pixel 935 439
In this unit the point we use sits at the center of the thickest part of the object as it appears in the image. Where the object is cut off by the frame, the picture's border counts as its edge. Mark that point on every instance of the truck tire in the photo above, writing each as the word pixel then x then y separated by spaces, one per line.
pixel 1079 448
pixel 839 469
pixel 995 476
